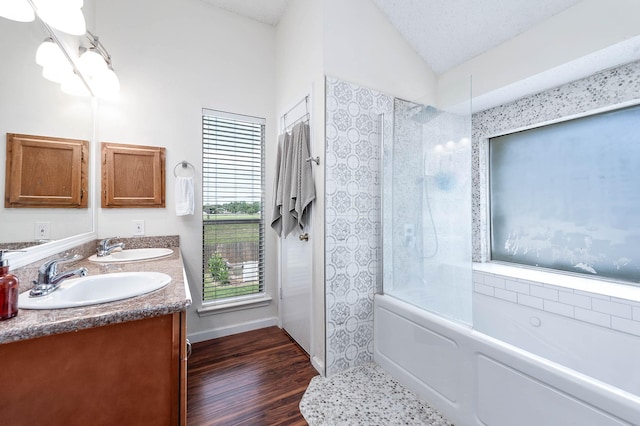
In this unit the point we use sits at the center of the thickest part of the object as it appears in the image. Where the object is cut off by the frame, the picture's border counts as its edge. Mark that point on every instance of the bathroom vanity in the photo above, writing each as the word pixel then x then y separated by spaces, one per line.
pixel 120 362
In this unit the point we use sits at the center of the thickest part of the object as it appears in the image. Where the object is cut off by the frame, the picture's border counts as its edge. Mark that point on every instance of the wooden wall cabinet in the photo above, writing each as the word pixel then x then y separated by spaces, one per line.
pixel 132 373
pixel 132 176
pixel 46 172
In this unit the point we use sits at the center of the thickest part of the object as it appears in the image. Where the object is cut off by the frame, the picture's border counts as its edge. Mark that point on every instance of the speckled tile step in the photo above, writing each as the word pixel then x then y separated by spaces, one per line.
pixel 366 396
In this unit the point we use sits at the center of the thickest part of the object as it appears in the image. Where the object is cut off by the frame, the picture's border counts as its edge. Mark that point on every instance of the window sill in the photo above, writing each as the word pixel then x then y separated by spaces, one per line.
pixel 590 285
pixel 234 305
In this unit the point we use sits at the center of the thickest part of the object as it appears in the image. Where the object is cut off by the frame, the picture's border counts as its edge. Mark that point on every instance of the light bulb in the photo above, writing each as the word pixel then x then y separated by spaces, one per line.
pixel 106 85
pixel 57 72
pixel 61 17
pixel 91 63
pixel 73 85
pixel 49 53
pixel 17 10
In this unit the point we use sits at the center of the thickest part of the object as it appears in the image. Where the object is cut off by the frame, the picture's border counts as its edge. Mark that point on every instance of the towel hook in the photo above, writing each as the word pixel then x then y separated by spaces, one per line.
pixel 185 164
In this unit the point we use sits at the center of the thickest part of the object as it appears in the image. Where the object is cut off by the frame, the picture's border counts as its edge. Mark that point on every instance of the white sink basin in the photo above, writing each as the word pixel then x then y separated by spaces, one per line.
pixel 131 255
pixel 96 289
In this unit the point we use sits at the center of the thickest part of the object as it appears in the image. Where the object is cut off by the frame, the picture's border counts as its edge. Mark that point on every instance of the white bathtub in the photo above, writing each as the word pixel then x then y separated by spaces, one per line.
pixel 474 379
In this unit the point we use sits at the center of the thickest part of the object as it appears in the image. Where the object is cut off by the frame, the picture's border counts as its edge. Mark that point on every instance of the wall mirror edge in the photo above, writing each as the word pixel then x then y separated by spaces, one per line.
pixel 30 35
pixel 35 253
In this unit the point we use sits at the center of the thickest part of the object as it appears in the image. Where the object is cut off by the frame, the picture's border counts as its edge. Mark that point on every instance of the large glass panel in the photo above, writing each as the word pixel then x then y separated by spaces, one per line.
pixel 565 196
pixel 427 210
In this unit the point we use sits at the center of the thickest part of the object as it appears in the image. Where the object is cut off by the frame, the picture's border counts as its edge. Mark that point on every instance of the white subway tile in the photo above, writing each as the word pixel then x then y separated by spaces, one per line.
pixel 506 295
pixel 517 286
pixel 478 277
pixel 592 295
pixel 628 326
pixel 555 287
pixel 558 308
pixel 494 281
pixel 636 313
pixel 574 299
pixel 593 317
pixel 484 289
pixel 534 302
pixel 632 303
pixel 544 292
pixel 612 308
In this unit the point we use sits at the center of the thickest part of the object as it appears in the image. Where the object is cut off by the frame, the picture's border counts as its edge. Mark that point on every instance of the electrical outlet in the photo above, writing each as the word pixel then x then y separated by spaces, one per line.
pixel 43 231
pixel 138 227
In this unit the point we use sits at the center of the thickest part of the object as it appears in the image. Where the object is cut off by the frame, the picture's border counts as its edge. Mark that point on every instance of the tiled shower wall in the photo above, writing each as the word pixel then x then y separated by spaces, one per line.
pixel 352 219
pixel 352 208
pixel 611 87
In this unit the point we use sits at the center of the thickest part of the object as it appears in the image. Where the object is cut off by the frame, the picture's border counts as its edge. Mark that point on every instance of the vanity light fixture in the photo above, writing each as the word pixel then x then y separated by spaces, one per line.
pixel 95 65
pixel 63 15
pixel 49 53
pixel 106 85
pixel 91 73
pixel 91 63
pixel 57 73
pixel 55 65
pixel 17 10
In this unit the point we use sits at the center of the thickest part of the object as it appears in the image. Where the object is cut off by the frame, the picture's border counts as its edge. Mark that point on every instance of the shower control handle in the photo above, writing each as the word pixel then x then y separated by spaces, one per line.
pixel 304 237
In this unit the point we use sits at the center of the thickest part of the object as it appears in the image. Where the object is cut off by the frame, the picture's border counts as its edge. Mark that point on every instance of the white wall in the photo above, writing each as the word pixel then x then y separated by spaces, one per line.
pixel 586 27
pixel 174 58
pixel 361 46
pixel 299 71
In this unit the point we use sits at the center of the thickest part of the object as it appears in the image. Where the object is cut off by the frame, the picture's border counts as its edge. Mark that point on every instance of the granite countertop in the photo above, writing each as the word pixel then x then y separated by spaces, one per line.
pixel 172 298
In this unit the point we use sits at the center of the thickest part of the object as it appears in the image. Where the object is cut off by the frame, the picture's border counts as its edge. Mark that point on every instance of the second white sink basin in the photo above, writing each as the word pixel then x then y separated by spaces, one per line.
pixel 96 289
pixel 131 255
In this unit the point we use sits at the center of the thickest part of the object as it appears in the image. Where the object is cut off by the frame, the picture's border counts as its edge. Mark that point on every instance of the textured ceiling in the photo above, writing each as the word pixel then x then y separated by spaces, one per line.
pixel 445 33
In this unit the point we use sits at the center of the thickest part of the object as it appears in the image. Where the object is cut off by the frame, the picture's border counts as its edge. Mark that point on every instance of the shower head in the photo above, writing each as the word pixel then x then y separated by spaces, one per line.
pixel 424 114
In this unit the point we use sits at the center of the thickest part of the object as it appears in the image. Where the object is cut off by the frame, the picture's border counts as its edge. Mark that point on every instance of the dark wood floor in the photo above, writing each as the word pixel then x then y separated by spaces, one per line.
pixel 254 378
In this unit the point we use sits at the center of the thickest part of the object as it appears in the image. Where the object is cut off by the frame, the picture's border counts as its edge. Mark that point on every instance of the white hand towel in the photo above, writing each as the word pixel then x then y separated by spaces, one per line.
pixel 184 195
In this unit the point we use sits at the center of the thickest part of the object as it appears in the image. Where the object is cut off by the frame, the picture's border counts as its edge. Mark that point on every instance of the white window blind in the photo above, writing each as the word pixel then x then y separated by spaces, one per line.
pixel 233 205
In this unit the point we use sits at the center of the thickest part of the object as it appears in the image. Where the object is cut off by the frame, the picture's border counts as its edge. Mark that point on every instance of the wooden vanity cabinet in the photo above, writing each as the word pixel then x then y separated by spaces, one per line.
pixel 131 373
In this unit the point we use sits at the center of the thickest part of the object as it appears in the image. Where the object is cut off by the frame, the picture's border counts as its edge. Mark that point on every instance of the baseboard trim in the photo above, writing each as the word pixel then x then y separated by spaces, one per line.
pixel 318 364
pixel 202 336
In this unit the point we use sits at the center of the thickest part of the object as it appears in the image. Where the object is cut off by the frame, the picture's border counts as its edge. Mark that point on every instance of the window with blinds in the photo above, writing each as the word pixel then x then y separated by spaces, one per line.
pixel 232 205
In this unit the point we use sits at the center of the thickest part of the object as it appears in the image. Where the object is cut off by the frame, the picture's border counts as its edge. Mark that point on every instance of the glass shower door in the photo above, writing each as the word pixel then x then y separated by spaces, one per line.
pixel 427 210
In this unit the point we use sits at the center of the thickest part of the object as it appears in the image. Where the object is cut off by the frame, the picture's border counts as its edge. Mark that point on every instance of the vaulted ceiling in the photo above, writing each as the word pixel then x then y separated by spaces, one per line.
pixel 445 33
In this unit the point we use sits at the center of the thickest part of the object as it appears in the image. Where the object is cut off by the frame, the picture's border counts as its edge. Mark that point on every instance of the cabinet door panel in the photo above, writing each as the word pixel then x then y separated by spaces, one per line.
pixel 132 176
pixel 120 374
pixel 46 172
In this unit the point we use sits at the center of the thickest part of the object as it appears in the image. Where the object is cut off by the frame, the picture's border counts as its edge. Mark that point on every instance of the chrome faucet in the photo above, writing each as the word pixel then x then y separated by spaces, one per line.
pixel 49 279
pixel 105 249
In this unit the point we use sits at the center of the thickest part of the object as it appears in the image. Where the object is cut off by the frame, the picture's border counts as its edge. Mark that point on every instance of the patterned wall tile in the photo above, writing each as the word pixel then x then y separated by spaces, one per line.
pixel 352 219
